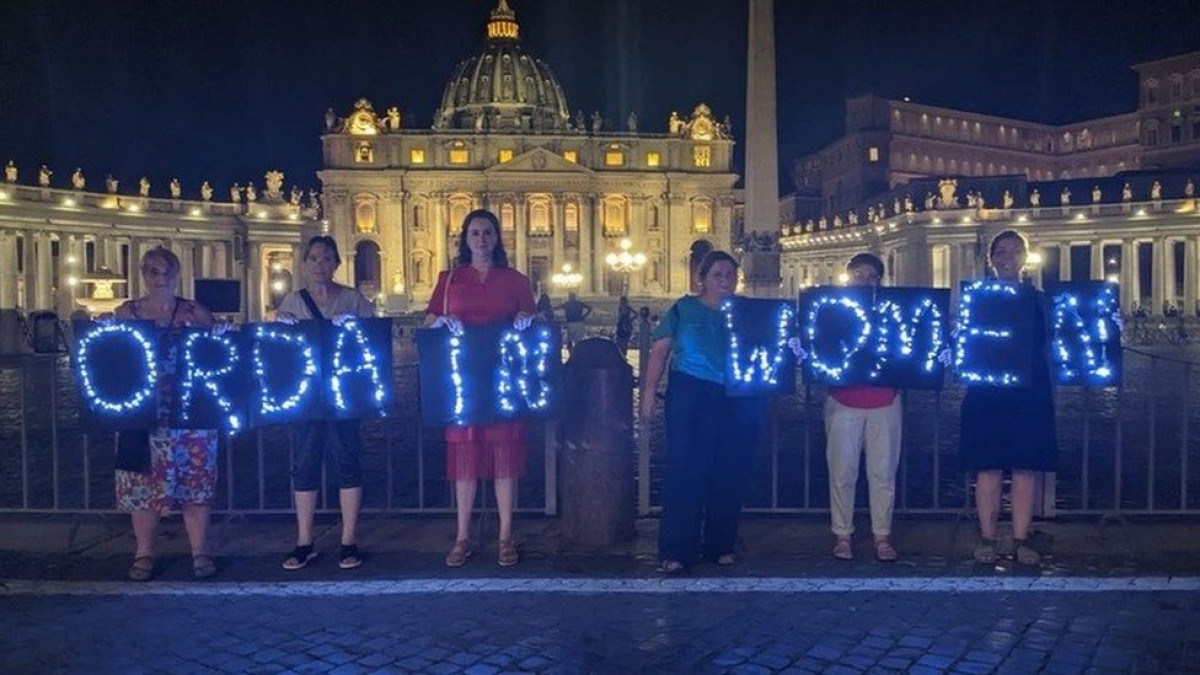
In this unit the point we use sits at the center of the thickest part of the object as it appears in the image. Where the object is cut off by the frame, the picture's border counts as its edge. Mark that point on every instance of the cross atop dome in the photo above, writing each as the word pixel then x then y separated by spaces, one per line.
pixel 502 26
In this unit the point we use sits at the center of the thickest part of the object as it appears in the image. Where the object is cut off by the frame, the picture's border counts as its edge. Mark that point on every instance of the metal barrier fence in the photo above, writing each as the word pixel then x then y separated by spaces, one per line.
pixel 1122 451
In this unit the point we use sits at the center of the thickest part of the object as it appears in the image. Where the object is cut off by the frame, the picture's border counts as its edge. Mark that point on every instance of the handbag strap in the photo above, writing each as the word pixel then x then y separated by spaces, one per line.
pixel 312 304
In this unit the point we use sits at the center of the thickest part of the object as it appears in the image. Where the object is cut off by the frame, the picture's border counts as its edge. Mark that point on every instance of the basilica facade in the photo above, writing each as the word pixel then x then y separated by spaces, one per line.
pixel 568 188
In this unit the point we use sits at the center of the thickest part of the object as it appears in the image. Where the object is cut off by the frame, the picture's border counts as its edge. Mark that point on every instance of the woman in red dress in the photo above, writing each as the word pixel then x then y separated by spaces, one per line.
pixel 482 289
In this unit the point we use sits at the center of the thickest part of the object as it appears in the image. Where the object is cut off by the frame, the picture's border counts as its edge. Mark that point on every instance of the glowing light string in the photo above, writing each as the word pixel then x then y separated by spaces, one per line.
pixel 520 368
pixel 764 363
pixel 891 313
pixel 967 331
pixel 1094 351
pixel 816 362
pixel 267 402
pixel 87 377
pixel 456 379
pixel 352 330
pixel 194 375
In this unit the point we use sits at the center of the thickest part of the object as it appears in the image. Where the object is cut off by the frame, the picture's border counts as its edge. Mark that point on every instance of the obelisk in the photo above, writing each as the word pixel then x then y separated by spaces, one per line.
pixel 761 187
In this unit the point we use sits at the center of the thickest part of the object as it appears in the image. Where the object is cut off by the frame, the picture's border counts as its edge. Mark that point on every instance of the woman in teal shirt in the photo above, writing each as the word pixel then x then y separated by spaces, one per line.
pixel 710 437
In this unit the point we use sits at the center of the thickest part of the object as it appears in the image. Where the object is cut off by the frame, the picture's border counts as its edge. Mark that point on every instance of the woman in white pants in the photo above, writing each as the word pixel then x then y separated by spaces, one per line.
pixel 858 418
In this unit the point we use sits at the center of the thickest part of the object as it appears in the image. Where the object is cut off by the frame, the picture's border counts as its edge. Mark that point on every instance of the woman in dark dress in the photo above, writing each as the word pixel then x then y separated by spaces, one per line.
pixel 1011 428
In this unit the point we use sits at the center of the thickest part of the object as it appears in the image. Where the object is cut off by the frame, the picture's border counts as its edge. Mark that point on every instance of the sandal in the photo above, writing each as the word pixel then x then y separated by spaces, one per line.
pixel 349 558
pixel 299 557
pixel 842 549
pixel 142 568
pixel 985 552
pixel 508 553
pixel 459 553
pixel 671 568
pixel 203 566
pixel 1026 555
pixel 884 551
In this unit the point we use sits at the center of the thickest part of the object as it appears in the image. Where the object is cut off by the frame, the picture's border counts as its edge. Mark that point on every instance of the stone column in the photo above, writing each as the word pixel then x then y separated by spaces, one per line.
pixel 299 277
pixel 1189 275
pixel 44 298
pixel 8 261
pixel 558 243
pixel 1097 261
pixel 1064 261
pixel 254 281
pixel 220 259
pixel 588 207
pixel 1157 287
pixel 1130 294
pixel 206 254
pixel 520 234
pixel 187 267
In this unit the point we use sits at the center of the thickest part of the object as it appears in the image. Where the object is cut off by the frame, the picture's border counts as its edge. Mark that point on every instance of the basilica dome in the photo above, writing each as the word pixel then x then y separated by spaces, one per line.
pixel 503 88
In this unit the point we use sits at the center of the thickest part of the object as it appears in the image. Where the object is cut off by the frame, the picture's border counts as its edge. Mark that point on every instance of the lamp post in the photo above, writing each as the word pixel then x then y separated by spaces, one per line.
pixel 625 262
pixel 567 279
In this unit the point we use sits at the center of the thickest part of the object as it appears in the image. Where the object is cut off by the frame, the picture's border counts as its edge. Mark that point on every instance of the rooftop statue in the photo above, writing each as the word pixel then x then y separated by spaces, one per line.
pixel 597 122
pixel 1156 191
pixel 77 180
pixel 274 192
pixel 297 193
pixel 314 203
pixel 235 194
pixel 111 184
pixel 144 187
pixel 176 189
pixel 44 174
pixel 1096 194
pixel 1008 199
pixel 946 188
pixel 10 172
pixel 1065 197
pixel 206 191
pixel 1035 198
pixel 837 221
pixel 853 217
pixel 908 204
pixel 330 119
pixel 392 122
pixel 631 121
pixel 1189 189
pixel 675 124
pixel 1126 193
pixel 251 193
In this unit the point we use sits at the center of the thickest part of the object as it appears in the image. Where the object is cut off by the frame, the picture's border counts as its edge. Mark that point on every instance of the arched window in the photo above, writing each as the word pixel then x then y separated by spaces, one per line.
pixel 539 215
pixel 366 268
pixel 701 216
pixel 508 218
pixel 460 206
pixel 614 216
pixel 364 214
pixel 571 217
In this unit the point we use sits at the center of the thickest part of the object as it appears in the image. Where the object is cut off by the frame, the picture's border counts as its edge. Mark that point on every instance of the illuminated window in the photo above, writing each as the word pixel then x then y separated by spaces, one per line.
pixel 701 218
pixel 506 155
pixel 571 156
pixel 653 159
pixel 539 217
pixel 508 220
pixel 364 214
pixel 873 154
pixel 614 158
pixel 702 155
pixel 614 217
pixel 460 206
pixel 571 218
pixel 459 153
pixel 416 156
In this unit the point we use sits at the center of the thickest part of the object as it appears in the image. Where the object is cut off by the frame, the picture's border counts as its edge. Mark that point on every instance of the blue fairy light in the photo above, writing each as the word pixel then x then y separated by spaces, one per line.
pixel 352 330
pixel 764 367
pixel 836 372
pixel 267 403
pixel 1093 350
pixel 194 375
pixel 87 377
pixel 516 375
pixel 456 378
pixel 967 331
pixel 891 314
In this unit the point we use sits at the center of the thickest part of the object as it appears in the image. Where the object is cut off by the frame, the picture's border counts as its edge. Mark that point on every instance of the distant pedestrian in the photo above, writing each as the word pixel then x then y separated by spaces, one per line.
pixel 625 317
pixel 545 308
pixel 1011 428
pixel 575 313
pixel 167 468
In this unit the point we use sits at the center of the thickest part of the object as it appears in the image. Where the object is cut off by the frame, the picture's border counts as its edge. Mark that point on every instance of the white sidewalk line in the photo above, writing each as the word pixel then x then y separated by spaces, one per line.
pixel 601 586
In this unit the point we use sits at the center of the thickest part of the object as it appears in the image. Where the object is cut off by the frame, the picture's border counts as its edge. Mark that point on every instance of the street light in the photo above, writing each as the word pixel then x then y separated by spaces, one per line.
pixel 625 262
pixel 567 278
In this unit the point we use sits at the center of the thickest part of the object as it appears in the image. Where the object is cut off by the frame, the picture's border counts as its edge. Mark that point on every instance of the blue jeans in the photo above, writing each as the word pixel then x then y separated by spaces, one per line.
pixel 711 440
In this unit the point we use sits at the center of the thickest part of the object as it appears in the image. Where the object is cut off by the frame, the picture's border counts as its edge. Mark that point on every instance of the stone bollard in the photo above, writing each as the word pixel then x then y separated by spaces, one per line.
pixel 596 496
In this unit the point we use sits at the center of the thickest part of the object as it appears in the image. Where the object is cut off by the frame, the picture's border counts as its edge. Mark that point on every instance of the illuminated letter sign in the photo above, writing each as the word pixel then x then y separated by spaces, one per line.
pixel 117 368
pixel 358 368
pixel 212 382
pixel 489 374
pixel 995 334
pixel 285 361
pixel 1085 342
pixel 910 333
pixel 759 362
pixel 835 331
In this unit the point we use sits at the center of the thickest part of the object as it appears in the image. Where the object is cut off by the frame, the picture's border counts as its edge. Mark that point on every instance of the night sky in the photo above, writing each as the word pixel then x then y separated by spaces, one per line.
pixel 224 91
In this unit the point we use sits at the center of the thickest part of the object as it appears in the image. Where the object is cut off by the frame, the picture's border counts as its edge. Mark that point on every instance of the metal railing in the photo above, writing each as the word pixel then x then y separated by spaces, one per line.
pixel 1121 451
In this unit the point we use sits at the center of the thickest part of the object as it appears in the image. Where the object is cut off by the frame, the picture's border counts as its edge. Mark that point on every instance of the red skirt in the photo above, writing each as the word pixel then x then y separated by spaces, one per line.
pixel 487 451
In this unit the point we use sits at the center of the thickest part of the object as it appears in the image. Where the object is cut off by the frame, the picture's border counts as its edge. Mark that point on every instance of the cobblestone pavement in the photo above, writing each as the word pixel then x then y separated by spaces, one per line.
pixel 713 625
